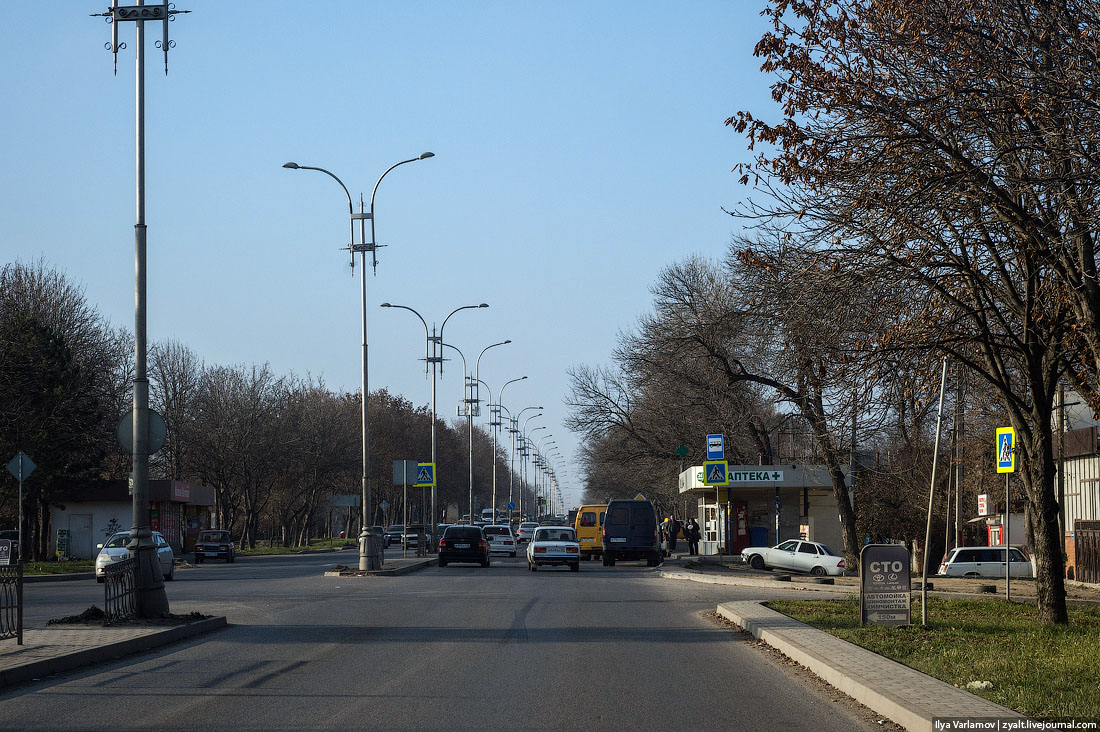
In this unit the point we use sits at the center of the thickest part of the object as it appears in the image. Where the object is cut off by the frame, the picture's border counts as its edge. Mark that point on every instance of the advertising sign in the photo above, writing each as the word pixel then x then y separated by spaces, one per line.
pixel 983 504
pixel 884 585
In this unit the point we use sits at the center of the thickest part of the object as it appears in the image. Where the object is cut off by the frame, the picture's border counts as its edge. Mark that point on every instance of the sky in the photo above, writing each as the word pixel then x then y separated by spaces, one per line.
pixel 580 148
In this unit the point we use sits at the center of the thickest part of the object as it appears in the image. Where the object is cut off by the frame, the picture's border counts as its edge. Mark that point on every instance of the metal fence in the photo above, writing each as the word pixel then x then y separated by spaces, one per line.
pixel 11 602
pixel 1087 550
pixel 120 591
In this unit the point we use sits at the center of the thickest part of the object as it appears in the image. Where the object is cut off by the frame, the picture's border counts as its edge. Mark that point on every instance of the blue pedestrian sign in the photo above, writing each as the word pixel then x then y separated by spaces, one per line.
pixel 425 475
pixel 511 505
pixel 716 447
pixel 1006 450
pixel 716 472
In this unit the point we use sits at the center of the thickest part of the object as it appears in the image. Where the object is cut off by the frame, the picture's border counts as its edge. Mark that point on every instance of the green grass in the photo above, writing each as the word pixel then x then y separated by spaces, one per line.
pixel 267 547
pixel 1047 672
pixel 74 565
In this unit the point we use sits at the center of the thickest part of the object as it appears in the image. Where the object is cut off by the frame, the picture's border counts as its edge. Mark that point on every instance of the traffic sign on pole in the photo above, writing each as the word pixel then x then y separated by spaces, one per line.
pixel 425 475
pixel 716 447
pixel 1006 450
pixel 716 472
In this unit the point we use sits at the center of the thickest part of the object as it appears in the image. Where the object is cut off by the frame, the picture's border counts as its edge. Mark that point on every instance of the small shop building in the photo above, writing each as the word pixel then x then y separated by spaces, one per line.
pixel 762 506
pixel 88 513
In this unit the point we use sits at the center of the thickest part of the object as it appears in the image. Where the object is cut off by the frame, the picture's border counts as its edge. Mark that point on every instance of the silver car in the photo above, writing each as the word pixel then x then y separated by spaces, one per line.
pixel 114 550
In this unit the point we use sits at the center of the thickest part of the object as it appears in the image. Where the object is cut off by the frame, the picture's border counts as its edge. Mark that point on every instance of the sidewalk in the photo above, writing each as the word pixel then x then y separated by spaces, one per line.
pixel 59 648
pixel 904 695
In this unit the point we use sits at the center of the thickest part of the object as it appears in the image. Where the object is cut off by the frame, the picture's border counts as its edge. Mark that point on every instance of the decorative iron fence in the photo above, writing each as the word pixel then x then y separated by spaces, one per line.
pixel 11 602
pixel 120 591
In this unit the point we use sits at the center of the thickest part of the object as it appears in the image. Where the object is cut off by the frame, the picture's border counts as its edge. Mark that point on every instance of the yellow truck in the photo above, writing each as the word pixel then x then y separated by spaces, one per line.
pixel 589 528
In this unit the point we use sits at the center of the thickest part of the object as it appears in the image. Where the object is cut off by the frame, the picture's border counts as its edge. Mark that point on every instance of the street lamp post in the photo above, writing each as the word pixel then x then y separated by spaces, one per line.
pixel 469 407
pixel 366 559
pixel 528 450
pixel 434 359
pixel 496 428
pixel 151 599
pixel 515 430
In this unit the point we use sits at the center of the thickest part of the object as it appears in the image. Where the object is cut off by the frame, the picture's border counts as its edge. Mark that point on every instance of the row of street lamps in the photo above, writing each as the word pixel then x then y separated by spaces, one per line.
pixel 433 354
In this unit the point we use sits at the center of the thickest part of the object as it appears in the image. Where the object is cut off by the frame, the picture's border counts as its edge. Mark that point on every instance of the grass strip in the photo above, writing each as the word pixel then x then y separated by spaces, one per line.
pixel 314 545
pixel 1043 671
pixel 51 567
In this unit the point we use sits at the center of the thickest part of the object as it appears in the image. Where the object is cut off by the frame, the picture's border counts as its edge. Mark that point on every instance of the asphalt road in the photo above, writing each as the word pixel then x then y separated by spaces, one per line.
pixel 455 648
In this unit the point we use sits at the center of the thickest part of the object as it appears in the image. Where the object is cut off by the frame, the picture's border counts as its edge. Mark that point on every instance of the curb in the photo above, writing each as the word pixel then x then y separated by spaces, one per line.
pixel 108 652
pixel 753 582
pixel 902 694
pixel 395 572
pixel 32 578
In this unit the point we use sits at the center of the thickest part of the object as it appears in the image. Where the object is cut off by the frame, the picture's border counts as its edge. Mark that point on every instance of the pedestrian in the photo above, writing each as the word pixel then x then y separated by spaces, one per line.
pixel 673 533
pixel 691 533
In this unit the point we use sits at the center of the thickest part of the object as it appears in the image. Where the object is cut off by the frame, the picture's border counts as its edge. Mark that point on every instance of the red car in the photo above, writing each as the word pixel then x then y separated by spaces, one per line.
pixel 214 544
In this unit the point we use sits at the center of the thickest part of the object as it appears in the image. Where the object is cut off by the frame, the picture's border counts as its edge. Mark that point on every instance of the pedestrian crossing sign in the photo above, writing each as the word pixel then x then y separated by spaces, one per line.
pixel 716 472
pixel 1006 450
pixel 425 475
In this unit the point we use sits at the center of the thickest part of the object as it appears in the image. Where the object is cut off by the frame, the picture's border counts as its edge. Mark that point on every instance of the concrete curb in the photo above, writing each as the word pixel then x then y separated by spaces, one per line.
pixel 395 572
pixel 108 651
pixel 32 578
pixel 754 582
pixel 904 695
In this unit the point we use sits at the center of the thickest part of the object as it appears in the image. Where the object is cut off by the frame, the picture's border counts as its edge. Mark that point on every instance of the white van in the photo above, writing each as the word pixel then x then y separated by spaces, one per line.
pixel 984 561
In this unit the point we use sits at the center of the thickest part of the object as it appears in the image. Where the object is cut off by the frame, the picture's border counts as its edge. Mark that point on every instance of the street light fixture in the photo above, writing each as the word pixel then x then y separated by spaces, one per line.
pixel 433 359
pixel 496 429
pixel 366 559
pixel 470 406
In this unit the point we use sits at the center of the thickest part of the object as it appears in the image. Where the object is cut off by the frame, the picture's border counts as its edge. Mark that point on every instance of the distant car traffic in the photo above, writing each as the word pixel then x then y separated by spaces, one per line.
pixel 500 539
pixel 214 544
pixel 381 531
pixel 554 545
pixel 463 544
pixel 796 556
pixel 395 533
pixel 114 550
pixel 526 531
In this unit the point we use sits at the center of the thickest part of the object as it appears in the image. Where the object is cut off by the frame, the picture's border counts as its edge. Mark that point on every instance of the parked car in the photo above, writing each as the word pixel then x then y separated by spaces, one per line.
pixel 630 532
pixel 554 545
pixel 526 531
pixel 412 535
pixel 381 531
pixel 395 533
pixel 463 544
pixel 588 524
pixel 214 544
pixel 500 539
pixel 796 556
pixel 114 550
pixel 984 561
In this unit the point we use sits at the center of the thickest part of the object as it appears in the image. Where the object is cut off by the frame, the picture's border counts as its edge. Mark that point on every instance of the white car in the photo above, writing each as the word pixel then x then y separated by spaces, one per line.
pixel 984 561
pixel 114 550
pixel 798 556
pixel 554 545
pixel 500 539
pixel 526 531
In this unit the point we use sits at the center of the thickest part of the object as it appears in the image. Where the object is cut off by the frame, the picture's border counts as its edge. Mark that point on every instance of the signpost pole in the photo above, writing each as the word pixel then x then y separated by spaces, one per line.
pixel 1008 545
pixel 404 507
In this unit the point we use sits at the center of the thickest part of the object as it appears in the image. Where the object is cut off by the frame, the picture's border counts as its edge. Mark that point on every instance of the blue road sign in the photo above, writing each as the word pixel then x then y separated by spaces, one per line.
pixel 425 475
pixel 716 447
pixel 511 505
pixel 716 472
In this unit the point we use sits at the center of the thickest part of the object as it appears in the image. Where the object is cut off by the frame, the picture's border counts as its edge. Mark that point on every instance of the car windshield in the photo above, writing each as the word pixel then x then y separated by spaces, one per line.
pixel 118 541
pixel 214 536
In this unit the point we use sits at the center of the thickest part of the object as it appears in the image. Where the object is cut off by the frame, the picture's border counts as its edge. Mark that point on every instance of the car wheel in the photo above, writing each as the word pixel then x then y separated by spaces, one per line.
pixel 534 567
pixel 818 571
pixel 171 575
pixel 442 562
pixel 756 561
pixel 606 560
pixel 972 575
pixel 100 580
pixel 575 567
pixel 512 555
pixel 486 563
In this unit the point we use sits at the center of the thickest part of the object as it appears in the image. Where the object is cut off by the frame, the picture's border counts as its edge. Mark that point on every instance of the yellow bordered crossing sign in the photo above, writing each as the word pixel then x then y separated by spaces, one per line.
pixel 1006 450
pixel 425 475
pixel 716 472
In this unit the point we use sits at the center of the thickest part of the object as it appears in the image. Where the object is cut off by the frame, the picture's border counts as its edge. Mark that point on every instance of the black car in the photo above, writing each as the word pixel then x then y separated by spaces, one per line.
pixel 630 532
pixel 381 531
pixel 463 544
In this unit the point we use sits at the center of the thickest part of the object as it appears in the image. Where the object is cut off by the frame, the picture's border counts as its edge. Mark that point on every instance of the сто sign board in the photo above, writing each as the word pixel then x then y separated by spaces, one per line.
pixel 884 585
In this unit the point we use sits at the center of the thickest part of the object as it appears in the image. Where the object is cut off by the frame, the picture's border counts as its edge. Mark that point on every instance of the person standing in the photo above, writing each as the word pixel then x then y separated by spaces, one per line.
pixel 673 533
pixel 692 534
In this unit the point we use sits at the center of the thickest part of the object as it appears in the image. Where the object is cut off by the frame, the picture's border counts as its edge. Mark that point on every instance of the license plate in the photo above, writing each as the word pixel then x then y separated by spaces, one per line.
pixel 618 540
pixel 462 546
pixel 587 538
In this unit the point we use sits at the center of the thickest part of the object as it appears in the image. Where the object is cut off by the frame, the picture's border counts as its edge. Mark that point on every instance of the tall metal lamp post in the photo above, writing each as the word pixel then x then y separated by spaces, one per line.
pixel 366 559
pixel 495 427
pixel 436 357
pixel 152 601
pixel 473 405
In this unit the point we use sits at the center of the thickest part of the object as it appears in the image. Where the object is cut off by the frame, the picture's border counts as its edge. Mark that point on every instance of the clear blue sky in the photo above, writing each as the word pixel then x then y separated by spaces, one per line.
pixel 579 147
